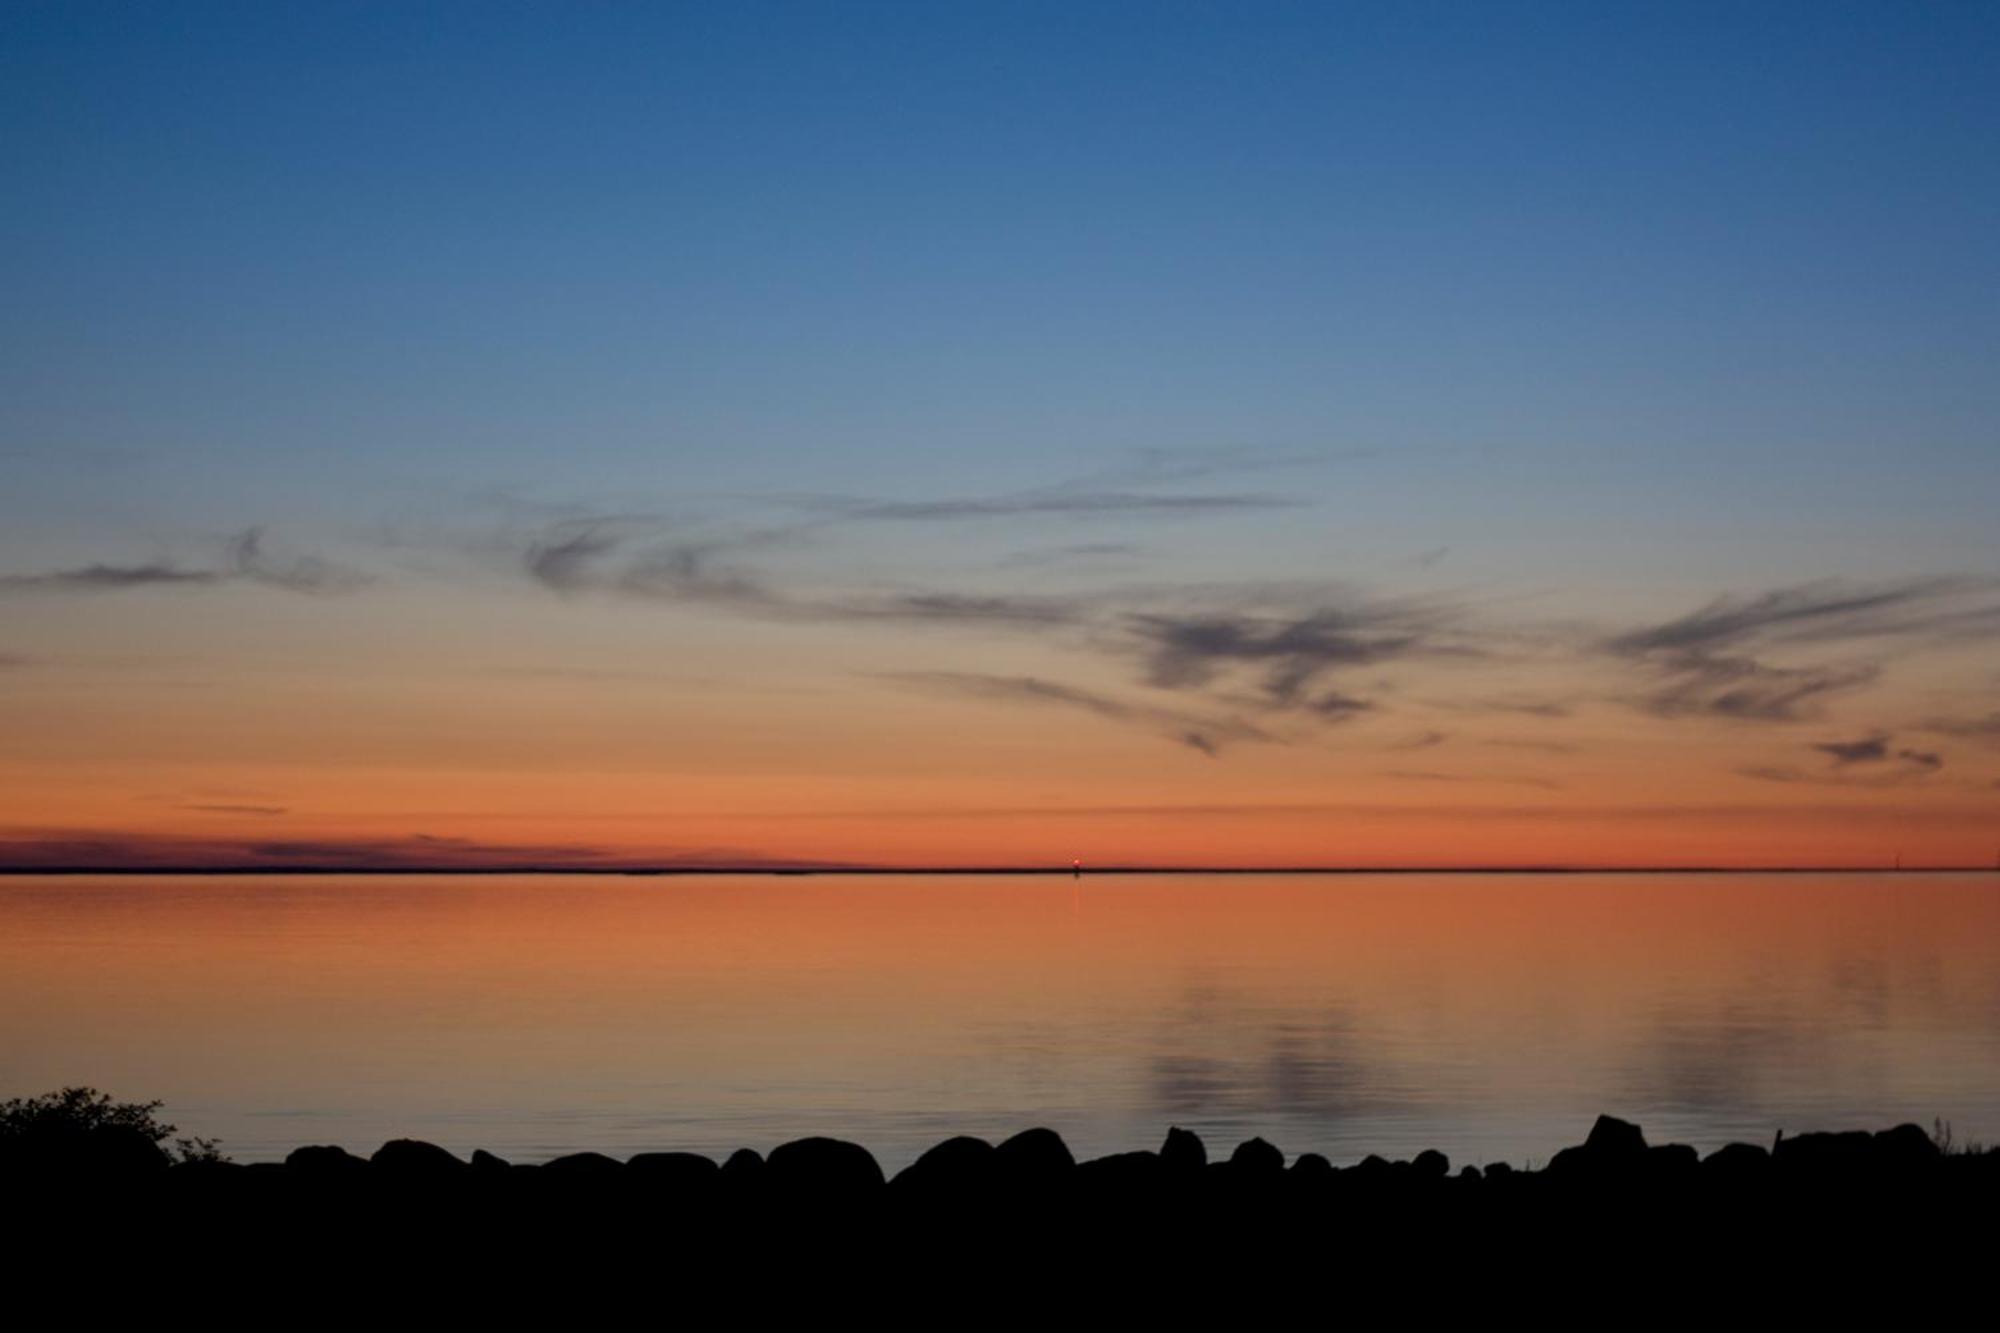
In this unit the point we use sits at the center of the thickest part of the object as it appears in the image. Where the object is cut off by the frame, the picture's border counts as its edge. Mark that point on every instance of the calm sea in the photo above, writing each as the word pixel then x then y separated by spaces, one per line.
pixel 1491 1016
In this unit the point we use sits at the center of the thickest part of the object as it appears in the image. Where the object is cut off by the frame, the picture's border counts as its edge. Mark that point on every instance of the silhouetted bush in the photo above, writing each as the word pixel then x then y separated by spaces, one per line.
pixel 88 1122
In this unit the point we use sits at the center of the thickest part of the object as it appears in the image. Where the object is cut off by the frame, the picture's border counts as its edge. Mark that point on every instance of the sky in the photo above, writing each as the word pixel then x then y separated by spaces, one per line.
pixel 1196 434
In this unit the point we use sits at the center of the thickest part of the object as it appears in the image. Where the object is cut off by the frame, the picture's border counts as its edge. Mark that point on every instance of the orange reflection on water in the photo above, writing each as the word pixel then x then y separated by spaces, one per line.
pixel 1491 1016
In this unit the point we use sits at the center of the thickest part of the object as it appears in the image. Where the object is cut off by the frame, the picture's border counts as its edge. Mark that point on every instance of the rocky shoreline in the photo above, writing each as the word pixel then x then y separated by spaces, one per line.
pixel 1032 1165
pixel 1612 1211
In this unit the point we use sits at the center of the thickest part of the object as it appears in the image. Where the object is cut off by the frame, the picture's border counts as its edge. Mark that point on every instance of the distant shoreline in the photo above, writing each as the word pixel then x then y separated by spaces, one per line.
pixel 1063 872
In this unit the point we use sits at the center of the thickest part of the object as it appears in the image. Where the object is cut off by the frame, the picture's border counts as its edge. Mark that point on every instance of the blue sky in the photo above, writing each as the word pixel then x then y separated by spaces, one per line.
pixel 1601 311
pixel 756 241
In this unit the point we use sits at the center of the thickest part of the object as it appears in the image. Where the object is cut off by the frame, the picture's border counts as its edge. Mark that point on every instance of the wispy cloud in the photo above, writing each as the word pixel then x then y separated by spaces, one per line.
pixel 1552 709
pixel 1321 652
pixel 1825 611
pixel 227 809
pixel 1074 553
pixel 1130 489
pixel 250 558
pixel 1985 729
pixel 106 576
pixel 594 559
pixel 565 563
pixel 246 558
pixel 1288 656
pixel 1504 779
pixel 1869 750
pixel 1202 733
pixel 1746 690
pixel 1156 466
pixel 1518 743
pixel 1880 761
pixel 1073 504
pixel 1270 647
pixel 1714 661
pixel 1873 810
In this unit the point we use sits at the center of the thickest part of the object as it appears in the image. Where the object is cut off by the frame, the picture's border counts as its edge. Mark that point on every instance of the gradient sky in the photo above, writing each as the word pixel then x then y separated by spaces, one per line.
pixel 1219 434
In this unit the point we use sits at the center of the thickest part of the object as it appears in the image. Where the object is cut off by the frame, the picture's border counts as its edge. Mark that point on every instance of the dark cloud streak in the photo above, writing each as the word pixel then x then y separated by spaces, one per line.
pixel 1869 750
pixel 111 577
pixel 1714 660
pixel 1083 504
pixel 246 560
pixel 1206 735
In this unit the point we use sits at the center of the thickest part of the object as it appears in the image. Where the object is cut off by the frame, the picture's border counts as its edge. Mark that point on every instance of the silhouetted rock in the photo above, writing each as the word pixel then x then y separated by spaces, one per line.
pixel 743 1167
pixel 1672 1159
pixel 1183 1151
pixel 324 1161
pixel 1736 1161
pixel 1121 1173
pixel 1614 1146
pixel 1612 1136
pixel 1370 1169
pixel 414 1157
pixel 1035 1157
pixel 963 1163
pixel 957 1204
pixel 1846 1152
pixel 1905 1145
pixel 1255 1158
pixel 592 1164
pixel 677 1170
pixel 823 1167
pixel 1311 1166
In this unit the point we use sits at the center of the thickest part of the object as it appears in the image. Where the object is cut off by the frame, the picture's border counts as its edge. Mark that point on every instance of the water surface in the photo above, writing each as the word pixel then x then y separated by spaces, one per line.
pixel 1491 1016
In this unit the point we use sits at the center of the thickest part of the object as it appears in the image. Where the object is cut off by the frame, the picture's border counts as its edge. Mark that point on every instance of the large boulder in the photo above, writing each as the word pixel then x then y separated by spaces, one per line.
pixel 949 1171
pixel 584 1166
pixel 1432 1164
pixel 1615 1148
pixel 1825 1154
pixel 743 1167
pixel 1183 1151
pixel 325 1160
pixel 1906 1146
pixel 823 1168
pixel 414 1157
pixel 1672 1160
pixel 1736 1162
pixel 1121 1172
pixel 1256 1159
pixel 1311 1166
pixel 1034 1158
pixel 1373 1167
pixel 676 1170
pixel 1613 1137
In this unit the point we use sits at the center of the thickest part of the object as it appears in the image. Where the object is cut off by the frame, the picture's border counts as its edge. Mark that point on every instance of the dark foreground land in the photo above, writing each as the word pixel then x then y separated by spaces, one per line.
pixel 1821 1216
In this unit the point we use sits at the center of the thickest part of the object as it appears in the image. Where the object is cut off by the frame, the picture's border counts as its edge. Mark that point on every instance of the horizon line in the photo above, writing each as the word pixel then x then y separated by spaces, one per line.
pixel 650 871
